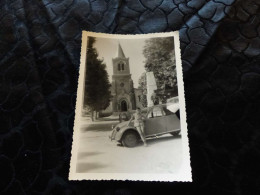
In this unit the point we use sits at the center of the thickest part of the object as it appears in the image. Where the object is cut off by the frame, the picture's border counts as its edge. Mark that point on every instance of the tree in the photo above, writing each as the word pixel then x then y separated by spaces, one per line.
pixel 160 59
pixel 97 87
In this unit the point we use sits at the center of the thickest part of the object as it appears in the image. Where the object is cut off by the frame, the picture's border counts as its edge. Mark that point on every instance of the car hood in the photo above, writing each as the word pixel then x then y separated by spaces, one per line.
pixel 123 124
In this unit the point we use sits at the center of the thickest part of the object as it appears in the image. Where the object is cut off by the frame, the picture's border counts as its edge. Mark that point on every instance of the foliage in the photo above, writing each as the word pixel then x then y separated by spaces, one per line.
pixel 97 87
pixel 160 59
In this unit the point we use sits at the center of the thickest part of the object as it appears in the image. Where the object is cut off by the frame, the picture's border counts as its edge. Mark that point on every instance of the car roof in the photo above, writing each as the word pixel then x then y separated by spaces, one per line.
pixel 158 105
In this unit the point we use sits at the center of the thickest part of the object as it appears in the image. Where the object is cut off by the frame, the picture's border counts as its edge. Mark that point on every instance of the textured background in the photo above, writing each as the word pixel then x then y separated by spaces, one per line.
pixel 39 61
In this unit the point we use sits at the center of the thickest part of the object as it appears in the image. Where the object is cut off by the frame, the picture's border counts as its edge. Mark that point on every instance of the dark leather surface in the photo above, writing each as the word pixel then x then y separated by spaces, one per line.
pixel 39 61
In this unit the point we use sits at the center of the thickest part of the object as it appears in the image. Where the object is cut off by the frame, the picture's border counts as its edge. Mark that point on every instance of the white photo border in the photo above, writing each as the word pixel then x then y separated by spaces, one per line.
pixel 185 172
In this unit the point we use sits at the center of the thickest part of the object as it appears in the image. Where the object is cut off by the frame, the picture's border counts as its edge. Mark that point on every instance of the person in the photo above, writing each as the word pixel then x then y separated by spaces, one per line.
pixel 139 123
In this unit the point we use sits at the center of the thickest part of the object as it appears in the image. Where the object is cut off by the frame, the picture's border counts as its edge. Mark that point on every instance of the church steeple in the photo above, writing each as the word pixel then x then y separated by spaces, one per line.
pixel 120 63
pixel 122 83
pixel 120 53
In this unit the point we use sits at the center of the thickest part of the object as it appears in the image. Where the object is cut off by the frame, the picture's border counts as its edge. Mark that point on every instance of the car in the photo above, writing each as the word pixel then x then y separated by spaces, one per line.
pixel 159 120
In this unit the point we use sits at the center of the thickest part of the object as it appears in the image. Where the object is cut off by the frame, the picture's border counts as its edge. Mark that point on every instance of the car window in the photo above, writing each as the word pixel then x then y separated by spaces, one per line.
pixel 156 112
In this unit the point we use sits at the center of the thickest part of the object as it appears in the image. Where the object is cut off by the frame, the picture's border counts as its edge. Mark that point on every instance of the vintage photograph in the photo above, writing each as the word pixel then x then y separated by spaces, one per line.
pixel 130 118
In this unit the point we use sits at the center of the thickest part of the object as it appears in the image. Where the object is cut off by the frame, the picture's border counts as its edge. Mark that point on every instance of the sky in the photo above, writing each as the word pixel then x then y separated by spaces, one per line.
pixel 132 48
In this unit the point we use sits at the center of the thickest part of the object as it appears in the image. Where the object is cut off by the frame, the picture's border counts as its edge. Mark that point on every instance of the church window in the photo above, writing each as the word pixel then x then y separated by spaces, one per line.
pixel 121 66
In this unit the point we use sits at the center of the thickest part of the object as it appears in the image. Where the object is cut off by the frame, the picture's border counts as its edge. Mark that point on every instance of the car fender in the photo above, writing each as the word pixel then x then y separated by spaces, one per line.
pixel 122 131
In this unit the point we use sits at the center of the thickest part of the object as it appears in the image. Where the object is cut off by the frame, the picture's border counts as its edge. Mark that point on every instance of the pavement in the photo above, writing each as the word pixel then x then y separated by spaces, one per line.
pixel 97 154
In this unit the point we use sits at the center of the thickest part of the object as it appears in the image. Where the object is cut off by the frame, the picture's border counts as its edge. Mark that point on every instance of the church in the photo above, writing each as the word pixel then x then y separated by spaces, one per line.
pixel 124 96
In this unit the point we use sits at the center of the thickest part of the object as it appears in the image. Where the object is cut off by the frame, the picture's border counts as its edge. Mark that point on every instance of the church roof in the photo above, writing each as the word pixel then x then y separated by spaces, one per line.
pixel 120 53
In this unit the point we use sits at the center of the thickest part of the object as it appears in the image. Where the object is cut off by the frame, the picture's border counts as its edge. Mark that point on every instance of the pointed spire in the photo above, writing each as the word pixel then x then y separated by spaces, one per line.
pixel 120 53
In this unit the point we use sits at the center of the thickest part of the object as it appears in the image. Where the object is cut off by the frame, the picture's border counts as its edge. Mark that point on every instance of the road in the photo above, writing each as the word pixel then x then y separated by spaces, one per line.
pixel 97 154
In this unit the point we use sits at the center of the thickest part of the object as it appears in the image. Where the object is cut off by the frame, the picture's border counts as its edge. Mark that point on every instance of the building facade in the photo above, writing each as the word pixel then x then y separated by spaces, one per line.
pixel 124 96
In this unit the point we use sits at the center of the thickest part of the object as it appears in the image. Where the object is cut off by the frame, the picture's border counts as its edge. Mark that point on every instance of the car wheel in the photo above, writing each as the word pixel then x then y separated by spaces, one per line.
pixel 130 139
pixel 175 133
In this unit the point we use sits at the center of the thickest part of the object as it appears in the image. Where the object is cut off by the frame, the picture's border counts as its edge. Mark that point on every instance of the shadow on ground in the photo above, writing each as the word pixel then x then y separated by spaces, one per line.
pixel 87 167
pixel 87 154
pixel 101 119
pixel 98 126
pixel 107 119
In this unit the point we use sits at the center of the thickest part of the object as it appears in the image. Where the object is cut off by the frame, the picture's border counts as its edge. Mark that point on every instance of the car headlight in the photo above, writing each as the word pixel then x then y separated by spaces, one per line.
pixel 118 128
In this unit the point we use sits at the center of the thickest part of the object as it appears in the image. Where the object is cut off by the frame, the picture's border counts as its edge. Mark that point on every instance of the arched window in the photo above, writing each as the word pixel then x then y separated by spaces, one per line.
pixel 119 67
pixel 123 106
pixel 123 66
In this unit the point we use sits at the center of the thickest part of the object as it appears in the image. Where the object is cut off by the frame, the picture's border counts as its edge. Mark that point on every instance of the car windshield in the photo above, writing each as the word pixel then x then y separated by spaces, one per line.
pixel 155 112
pixel 162 110
pixel 144 111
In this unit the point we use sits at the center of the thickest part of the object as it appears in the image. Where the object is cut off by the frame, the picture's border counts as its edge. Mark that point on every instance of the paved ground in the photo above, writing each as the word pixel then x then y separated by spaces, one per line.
pixel 97 154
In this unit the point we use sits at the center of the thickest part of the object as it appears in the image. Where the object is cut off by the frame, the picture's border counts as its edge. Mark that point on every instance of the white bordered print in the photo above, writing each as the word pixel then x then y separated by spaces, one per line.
pixel 130 117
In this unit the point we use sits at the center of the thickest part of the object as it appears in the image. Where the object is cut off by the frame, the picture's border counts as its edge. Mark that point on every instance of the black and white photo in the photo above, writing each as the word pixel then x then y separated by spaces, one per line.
pixel 130 118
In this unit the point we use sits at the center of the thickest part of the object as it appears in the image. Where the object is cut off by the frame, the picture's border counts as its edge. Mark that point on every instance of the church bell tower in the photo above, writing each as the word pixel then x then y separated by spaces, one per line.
pixel 122 84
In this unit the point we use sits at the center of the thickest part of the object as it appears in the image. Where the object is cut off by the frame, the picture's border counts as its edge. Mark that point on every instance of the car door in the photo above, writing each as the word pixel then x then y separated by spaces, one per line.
pixel 155 121
pixel 172 122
